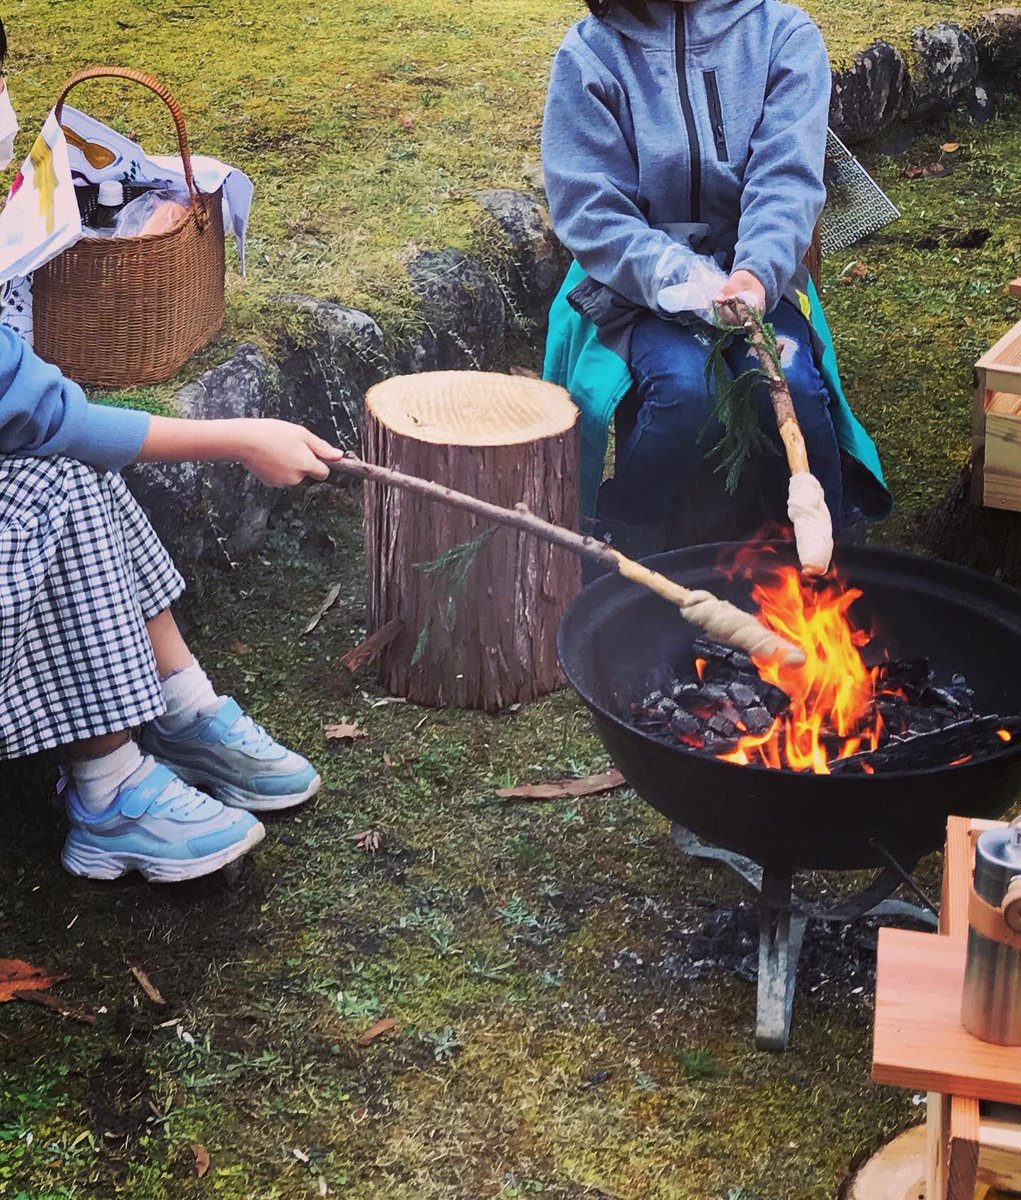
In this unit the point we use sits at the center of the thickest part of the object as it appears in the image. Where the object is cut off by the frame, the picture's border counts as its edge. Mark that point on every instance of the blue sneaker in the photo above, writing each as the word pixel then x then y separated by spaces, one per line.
pixel 159 826
pixel 228 755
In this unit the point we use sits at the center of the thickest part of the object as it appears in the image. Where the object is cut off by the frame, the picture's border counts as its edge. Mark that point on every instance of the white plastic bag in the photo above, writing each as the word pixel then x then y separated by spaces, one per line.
pixel 153 212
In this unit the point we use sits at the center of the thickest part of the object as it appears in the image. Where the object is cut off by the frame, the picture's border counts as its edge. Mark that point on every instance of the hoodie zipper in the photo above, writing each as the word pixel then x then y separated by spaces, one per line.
pixel 695 205
pixel 712 95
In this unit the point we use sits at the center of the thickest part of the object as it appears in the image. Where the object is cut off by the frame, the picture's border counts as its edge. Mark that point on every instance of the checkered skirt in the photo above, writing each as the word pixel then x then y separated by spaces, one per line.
pixel 81 571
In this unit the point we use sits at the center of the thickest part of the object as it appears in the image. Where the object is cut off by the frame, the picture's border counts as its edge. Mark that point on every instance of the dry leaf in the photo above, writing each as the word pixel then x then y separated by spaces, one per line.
pixel 17 976
pixel 387 1025
pixel 332 596
pixel 146 984
pixel 240 648
pixel 201 1159
pixel 928 170
pixel 387 760
pixel 345 732
pixel 369 840
pixel 950 147
pixel 565 788
pixel 63 1009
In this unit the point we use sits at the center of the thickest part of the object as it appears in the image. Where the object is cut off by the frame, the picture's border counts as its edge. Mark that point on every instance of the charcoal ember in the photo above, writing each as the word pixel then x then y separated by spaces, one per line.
pixel 686 727
pixel 684 691
pixel 902 719
pixel 743 695
pixel 976 737
pixel 716 654
pixel 723 726
pixel 666 708
pixel 652 699
pixel 717 744
pixel 954 700
pixel 756 719
pixel 908 675
pixel 775 700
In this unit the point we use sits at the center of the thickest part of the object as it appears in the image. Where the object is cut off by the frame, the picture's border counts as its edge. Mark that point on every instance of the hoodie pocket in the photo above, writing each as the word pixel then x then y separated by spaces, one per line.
pixel 712 95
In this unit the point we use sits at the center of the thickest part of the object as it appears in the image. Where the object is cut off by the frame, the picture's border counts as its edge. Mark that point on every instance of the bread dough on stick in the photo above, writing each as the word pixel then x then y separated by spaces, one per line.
pixel 813 525
pixel 725 622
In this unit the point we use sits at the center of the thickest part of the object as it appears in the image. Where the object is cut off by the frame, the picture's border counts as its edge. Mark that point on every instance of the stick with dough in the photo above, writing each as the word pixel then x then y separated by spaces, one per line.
pixel 806 504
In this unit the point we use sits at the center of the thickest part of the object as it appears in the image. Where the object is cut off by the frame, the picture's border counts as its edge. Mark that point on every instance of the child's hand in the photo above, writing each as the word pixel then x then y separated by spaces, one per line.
pixel 743 285
pixel 281 454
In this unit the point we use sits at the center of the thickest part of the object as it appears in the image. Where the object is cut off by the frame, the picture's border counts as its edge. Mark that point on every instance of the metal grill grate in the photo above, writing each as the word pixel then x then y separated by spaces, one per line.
pixel 855 205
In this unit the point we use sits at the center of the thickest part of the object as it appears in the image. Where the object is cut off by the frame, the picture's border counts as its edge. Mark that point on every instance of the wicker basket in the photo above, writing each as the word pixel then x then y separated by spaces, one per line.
pixel 120 312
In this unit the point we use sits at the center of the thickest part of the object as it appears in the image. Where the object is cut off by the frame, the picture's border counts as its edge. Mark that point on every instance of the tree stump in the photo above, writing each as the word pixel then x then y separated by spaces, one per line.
pixel 985 539
pixel 479 632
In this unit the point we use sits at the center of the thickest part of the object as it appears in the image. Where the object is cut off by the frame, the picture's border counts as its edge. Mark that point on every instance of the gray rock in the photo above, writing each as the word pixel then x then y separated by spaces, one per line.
pixel 212 512
pixel 533 262
pixel 869 94
pixel 945 67
pixel 323 380
pixel 462 311
pixel 997 35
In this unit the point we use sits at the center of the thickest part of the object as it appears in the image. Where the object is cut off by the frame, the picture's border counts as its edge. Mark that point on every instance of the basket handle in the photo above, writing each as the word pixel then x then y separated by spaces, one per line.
pixel 161 90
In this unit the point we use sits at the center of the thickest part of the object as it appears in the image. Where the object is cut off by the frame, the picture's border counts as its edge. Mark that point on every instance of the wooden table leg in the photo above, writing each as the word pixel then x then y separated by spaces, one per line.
pixel 962 1155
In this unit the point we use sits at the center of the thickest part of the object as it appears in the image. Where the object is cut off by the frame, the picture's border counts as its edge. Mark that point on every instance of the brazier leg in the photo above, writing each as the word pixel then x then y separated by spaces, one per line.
pixel 780 933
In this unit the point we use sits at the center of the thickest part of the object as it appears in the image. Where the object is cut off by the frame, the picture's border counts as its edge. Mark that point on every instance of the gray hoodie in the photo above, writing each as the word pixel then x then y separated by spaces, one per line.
pixel 714 116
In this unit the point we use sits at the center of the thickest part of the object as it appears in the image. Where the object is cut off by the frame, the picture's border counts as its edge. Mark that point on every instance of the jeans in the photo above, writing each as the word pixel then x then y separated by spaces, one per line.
pixel 663 459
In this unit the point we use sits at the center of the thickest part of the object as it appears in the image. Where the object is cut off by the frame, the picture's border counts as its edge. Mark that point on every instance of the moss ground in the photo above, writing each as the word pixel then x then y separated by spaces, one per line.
pixel 367 127
pixel 537 1056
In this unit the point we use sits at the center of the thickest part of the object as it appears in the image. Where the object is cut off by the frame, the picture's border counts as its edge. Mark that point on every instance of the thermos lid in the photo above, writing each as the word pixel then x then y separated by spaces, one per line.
pixel 1002 848
pixel 111 193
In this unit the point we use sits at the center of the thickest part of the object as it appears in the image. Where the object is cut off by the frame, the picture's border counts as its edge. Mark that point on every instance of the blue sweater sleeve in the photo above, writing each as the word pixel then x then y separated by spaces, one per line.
pixel 783 191
pixel 44 413
pixel 592 183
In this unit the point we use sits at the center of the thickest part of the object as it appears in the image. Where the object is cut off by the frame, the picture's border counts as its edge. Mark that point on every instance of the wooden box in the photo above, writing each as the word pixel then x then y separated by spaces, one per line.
pixel 996 425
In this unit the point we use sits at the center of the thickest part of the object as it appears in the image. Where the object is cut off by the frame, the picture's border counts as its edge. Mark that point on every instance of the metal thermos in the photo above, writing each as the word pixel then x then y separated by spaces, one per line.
pixel 991 1005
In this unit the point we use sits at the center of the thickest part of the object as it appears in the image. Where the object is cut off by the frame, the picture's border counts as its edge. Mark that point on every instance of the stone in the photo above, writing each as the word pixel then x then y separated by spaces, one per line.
pixel 997 35
pixel 212 512
pixel 535 267
pixel 462 313
pixel 945 67
pixel 323 380
pixel 980 103
pixel 869 94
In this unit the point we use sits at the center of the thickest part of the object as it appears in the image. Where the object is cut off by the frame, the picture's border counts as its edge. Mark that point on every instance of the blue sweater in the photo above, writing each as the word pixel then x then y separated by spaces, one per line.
pixel 44 413
pixel 714 115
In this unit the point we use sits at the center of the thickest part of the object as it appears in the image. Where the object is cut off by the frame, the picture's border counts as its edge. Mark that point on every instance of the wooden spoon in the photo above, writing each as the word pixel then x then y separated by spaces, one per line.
pixel 96 155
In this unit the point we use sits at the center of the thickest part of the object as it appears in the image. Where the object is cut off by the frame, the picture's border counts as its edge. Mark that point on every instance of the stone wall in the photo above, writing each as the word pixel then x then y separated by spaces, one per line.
pixel 216 513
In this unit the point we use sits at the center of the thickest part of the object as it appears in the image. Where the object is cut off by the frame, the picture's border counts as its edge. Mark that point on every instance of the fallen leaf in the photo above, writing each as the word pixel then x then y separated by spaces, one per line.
pixel 240 648
pixel 345 732
pixel 56 1005
pixel 201 1159
pixel 332 596
pixel 387 760
pixel 369 840
pixel 146 984
pixel 387 1025
pixel 950 147
pixel 17 976
pixel 928 170
pixel 592 785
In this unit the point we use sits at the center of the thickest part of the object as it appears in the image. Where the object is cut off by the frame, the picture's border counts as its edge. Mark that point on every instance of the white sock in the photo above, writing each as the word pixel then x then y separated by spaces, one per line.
pixel 97 780
pixel 188 695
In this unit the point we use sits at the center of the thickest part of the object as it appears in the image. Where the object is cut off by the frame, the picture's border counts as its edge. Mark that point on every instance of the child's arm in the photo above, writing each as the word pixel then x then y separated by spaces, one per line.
pixel 783 191
pixel 592 182
pixel 277 452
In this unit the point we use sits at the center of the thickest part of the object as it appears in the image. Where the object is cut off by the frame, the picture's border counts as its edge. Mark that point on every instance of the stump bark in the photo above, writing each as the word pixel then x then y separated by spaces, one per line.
pixel 486 640
pixel 985 539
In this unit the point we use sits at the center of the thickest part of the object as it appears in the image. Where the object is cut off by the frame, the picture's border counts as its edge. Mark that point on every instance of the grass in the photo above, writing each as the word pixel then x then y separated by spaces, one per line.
pixel 367 128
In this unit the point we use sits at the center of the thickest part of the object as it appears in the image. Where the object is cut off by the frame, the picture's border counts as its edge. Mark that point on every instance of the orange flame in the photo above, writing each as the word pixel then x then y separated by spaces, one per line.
pixel 1004 735
pixel 832 714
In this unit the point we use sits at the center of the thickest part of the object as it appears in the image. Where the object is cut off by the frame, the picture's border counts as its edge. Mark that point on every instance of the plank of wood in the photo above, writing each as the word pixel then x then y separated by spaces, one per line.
pixel 999 1157
pixel 924 1046
pixel 1002 362
pixel 1014 287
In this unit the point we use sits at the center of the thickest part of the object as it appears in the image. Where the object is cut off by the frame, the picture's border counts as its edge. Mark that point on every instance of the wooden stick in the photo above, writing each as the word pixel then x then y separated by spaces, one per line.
pixel 720 619
pixel 738 313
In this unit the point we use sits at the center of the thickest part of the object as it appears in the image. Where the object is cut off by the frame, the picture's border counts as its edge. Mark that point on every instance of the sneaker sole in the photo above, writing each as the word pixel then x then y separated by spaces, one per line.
pixel 235 797
pixel 91 862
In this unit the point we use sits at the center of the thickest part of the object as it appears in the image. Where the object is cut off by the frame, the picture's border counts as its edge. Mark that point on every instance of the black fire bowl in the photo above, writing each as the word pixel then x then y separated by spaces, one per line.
pixel 618 642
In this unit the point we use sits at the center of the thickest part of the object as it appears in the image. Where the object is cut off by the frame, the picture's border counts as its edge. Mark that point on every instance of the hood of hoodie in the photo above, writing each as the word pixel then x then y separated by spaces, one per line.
pixel 707 20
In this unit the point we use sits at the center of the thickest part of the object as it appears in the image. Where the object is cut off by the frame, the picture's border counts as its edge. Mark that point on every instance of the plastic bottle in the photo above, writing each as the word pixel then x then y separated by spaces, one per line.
pixel 111 201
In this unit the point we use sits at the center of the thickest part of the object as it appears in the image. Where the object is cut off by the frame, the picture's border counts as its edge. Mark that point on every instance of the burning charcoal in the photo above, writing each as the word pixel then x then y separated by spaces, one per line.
pixel 684 691
pixel 756 719
pixel 949 698
pixel 722 726
pixel 908 675
pixel 743 695
pixel 775 700
pixel 686 727
pixel 666 708
pixel 652 699
pixel 716 654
